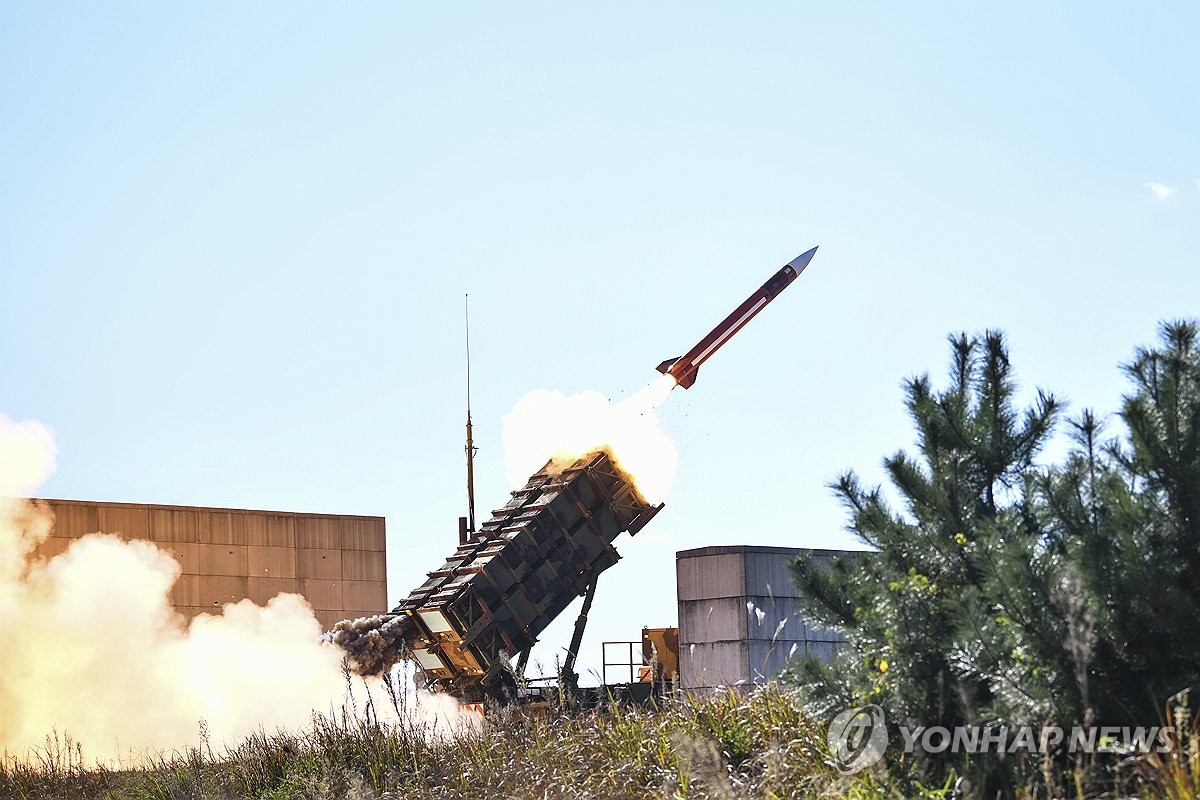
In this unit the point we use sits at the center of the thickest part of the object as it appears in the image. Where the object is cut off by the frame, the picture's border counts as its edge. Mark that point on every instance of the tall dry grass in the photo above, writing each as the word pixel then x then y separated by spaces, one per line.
pixel 726 746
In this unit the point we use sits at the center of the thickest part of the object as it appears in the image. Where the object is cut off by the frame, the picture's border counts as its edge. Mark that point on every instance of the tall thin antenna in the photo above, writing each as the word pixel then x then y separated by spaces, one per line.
pixel 471 449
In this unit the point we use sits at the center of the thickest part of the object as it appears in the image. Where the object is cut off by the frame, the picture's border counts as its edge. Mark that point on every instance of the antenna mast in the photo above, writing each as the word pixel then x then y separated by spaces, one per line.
pixel 471 449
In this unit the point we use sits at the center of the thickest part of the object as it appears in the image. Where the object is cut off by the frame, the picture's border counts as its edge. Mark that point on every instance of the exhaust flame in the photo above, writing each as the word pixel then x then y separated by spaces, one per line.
pixel 546 425
pixel 94 651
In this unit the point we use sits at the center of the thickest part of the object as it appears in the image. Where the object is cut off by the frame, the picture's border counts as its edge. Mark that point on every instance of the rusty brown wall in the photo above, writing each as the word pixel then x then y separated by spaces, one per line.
pixel 337 562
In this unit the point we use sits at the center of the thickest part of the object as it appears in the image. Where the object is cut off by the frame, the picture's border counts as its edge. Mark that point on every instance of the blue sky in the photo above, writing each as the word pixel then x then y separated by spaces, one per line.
pixel 235 240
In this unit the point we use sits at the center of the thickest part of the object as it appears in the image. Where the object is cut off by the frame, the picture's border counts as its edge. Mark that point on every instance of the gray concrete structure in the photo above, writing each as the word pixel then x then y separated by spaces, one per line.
pixel 738 616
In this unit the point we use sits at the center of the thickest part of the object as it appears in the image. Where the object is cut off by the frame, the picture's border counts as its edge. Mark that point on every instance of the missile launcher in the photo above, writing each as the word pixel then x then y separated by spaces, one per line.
pixel 501 588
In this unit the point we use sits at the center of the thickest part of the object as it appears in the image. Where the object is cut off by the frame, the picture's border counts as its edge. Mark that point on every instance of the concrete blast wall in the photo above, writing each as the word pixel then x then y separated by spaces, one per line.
pixel 337 562
pixel 738 616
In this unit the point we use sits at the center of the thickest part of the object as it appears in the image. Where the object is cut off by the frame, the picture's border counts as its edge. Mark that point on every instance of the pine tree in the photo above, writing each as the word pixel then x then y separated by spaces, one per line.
pixel 1009 593
pixel 917 611
pixel 1129 512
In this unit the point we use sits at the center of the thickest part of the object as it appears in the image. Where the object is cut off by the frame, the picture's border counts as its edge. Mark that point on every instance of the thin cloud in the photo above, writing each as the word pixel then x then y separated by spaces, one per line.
pixel 1160 191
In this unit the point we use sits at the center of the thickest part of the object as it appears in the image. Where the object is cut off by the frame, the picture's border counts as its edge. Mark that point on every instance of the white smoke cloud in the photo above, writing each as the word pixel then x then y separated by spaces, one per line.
pixel 27 455
pixel 92 648
pixel 547 424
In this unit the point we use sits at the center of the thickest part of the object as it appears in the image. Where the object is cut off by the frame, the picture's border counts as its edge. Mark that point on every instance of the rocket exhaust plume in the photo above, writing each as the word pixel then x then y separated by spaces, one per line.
pixel 545 425
pixel 93 650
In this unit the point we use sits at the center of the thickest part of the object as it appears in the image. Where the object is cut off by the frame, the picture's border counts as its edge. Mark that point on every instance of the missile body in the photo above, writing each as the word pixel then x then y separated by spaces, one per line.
pixel 683 369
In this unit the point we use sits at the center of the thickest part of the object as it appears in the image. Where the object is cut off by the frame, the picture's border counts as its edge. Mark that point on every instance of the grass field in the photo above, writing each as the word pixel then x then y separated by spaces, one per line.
pixel 727 746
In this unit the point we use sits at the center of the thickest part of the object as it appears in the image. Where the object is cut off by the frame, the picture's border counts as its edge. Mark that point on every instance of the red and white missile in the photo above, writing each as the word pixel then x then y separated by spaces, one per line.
pixel 683 369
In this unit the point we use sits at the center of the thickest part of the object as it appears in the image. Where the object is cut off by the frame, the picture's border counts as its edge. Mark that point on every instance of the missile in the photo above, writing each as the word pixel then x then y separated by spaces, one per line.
pixel 684 368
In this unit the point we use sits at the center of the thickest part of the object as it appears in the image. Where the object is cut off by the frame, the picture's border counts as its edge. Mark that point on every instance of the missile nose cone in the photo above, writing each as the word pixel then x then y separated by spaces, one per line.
pixel 801 261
